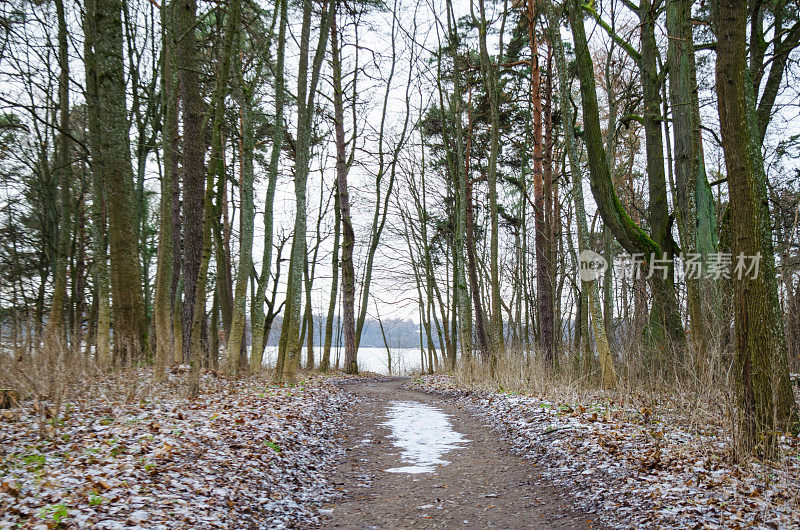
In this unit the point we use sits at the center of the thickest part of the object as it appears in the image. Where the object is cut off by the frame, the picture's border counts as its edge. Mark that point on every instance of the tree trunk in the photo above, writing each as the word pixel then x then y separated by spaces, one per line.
pixel 308 317
pixel 306 92
pixel 257 309
pixel 325 361
pixel 664 317
pixel 592 300
pixel 544 292
pixel 764 398
pixel 114 164
pixel 695 205
pixel 192 161
pixel 348 240
pixel 246 219
pixel 164 271
pixel 461 302
pixel 608 292
pixel 481 324
pixel 79 276
pixel 631 236
pixel 220 229
pixel 215 167
pixel 489 75
pixel 56 329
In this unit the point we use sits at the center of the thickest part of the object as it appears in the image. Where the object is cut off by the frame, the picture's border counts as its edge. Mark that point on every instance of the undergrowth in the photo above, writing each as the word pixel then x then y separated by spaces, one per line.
pixel 696 393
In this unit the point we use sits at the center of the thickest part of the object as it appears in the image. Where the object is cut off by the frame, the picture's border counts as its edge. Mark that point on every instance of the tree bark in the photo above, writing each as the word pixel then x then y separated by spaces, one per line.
pixel 56 329
pixel 192 161
pixel 765 402
pixel 489 75
pixel 215 167
pixel 306 93
pixel 664 317
pixel 164 272
pixel 481 324
pixel 592 305
pixel 257 310
pixel 220 229
pixel 631 236
pixel 247 220
pixel 544 293
pixel 460 291
pixel 325 361
pixel 98 211
pixel 348 239
pixel 113 148
pixel 309 274
pixel 695 205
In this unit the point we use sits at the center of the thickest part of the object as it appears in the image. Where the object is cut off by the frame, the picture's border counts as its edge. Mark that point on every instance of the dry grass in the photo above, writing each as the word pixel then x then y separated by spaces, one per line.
pixel 665 424
pixel 698 396
pixel 53 373
pixel 53 378
pixel 656 393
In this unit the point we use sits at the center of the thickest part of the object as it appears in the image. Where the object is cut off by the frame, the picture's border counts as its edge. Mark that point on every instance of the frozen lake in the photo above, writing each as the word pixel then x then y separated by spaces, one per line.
pixel 405 361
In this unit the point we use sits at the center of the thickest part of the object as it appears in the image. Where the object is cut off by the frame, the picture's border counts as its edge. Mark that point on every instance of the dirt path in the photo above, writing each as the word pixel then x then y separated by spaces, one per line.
pixel 483 486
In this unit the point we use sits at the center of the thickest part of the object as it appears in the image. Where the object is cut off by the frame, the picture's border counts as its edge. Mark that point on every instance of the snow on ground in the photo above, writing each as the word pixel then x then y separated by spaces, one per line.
pixel 244 454
pixel 423 434
pixel 640 467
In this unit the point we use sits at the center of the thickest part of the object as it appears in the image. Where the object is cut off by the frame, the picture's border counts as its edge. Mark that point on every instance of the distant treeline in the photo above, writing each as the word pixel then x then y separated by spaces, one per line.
pixel 400 333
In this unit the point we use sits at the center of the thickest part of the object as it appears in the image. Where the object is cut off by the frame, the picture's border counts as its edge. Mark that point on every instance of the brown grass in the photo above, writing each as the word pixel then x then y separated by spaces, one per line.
pixel 697 395
pixel 50 377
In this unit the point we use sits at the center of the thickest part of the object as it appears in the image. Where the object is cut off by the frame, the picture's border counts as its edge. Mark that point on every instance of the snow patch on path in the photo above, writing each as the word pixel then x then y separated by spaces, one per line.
pixel 423 433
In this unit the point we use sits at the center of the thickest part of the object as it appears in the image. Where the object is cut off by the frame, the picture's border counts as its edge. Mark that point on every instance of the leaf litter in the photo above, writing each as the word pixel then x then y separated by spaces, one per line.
pixel 246 453
pixel 639 467
pixel 251 454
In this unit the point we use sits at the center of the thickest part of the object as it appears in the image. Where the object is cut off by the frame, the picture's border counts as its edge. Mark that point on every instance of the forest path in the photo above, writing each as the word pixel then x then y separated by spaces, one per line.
pixel 483 486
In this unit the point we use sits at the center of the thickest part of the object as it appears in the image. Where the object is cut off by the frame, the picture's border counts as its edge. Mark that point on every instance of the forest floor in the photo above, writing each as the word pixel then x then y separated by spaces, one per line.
pixel 130 454
pixel 653 462
pixel 126 453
